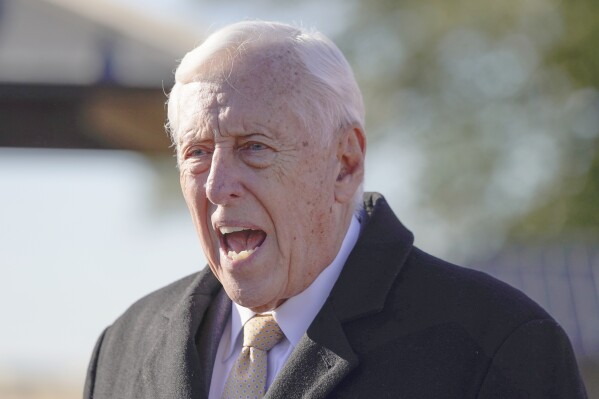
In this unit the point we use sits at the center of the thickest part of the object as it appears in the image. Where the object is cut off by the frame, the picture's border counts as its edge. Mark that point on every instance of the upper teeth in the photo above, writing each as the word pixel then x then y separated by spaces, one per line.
pixel 227 229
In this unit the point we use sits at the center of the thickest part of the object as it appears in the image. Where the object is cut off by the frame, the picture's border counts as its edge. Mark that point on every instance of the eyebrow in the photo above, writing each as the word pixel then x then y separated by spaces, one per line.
pixel 250 135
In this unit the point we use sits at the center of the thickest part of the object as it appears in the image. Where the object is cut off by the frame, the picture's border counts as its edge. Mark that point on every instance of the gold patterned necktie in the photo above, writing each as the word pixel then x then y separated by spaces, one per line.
pixel 247 378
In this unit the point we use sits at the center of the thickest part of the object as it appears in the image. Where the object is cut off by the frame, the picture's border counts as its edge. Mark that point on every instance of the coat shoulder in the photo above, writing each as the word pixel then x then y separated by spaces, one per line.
pixel 141 321
pixel 466 288
pixel 122 348
pixel 443 293
pixel 158 301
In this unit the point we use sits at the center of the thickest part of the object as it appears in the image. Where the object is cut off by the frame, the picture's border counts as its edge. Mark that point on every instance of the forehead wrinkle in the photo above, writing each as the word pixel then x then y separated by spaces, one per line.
pixel 217 107
pixel 202 105
pixel 241 82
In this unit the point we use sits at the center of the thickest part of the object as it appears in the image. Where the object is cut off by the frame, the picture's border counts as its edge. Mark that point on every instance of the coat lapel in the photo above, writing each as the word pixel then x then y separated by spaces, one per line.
pixel 324 356
pixel 209 335
pixel 374 263
pixel 172 367
pixel 321 360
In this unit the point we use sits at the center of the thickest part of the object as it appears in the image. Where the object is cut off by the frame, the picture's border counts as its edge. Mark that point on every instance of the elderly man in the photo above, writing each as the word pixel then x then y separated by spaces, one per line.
pixel 312 291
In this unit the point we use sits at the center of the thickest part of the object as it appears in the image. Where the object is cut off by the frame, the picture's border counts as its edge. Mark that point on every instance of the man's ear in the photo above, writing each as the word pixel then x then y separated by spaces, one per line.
pixel 350 156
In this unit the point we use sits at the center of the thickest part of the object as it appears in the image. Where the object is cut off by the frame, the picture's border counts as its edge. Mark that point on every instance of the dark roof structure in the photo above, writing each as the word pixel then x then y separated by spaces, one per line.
pixel 561 277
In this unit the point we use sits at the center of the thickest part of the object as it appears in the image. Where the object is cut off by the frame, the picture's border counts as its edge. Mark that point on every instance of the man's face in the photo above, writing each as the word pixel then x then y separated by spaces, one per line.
pixel 260 188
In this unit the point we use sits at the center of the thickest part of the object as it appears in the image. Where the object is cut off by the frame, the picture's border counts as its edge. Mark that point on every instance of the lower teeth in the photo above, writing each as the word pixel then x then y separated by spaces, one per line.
pixel 240 255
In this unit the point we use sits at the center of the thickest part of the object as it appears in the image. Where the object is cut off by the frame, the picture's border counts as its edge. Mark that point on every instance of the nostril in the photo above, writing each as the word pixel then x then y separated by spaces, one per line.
pixel 221 189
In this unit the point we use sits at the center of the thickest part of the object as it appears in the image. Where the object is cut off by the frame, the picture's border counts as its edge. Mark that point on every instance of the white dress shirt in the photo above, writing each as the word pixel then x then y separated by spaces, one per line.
pixel 294 317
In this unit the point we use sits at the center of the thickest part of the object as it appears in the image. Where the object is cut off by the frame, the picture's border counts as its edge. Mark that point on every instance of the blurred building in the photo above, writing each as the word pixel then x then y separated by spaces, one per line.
pixel 85 74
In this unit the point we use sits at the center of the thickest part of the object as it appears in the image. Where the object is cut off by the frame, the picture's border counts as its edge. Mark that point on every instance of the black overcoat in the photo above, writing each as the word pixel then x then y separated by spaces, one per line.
pixel 399 323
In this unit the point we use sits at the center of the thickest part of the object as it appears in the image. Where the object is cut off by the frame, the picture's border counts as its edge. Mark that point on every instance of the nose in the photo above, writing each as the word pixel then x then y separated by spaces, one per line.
pixel 224 181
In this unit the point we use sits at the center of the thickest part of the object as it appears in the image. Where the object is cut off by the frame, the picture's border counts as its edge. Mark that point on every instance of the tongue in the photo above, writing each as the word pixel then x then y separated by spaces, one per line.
pixel 245 240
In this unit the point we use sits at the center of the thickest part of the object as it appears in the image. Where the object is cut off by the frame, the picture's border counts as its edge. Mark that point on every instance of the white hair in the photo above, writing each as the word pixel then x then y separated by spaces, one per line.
pixel 331 97
pixel 332 100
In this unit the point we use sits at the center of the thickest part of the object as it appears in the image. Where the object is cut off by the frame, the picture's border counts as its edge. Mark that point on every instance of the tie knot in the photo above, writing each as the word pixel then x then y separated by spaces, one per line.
pixel 262 332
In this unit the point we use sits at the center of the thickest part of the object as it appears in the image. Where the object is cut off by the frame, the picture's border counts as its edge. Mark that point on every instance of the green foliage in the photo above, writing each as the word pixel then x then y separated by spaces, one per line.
pixel 499 99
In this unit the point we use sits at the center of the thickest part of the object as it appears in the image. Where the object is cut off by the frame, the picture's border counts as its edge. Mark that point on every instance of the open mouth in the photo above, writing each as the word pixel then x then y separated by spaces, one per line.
pixel 240 242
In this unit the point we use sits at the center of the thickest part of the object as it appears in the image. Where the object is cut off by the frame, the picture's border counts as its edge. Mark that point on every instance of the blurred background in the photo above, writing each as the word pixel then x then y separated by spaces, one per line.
pixel 483 127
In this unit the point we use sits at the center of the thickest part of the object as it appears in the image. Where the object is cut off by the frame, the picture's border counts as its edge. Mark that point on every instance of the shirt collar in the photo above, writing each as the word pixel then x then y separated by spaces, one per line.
pixel 295 315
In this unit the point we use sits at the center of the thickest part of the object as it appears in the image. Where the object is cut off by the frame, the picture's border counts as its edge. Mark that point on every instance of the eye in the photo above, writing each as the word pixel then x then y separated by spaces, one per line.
pixel 255 146
pixel 197 159
pixel 256 154
pixel 197 152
